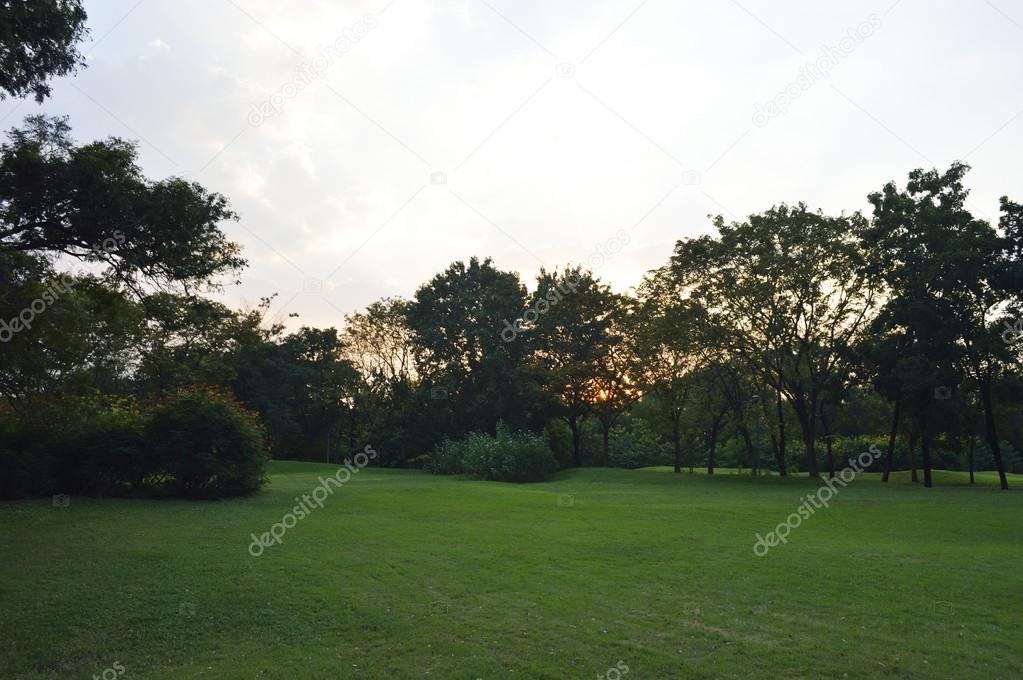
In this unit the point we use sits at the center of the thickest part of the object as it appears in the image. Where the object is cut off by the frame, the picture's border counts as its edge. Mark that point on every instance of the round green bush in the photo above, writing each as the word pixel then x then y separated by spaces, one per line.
pixel 208 444
pixel 509 456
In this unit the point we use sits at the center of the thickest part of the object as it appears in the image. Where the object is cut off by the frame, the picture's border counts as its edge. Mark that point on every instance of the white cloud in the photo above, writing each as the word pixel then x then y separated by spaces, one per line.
pixel 434 82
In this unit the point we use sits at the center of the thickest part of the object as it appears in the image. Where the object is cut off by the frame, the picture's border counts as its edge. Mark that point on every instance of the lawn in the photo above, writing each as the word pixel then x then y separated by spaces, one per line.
pixel 405 575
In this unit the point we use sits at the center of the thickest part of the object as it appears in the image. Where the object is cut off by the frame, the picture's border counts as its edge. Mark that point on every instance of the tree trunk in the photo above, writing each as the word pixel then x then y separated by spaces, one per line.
pixel 973 439
pixel 676 444
pixel 891 439
pixel 573 424
pixel 781 439
pixel 606 432
pixel 990 432
pixel 807 423
pixel 713 445
pixel 912 458
pixel 744 431
pixel 827 442
pixel 925 451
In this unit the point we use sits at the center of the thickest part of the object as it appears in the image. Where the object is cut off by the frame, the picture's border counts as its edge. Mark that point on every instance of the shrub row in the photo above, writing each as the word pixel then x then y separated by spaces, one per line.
pixel 507 456
pixel 198 443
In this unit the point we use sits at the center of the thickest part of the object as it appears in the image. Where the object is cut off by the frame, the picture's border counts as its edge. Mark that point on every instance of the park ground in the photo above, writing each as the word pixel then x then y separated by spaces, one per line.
pixel 406 575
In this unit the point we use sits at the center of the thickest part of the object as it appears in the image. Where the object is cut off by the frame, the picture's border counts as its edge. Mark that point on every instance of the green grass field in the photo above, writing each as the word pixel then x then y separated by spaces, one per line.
pixel 405 575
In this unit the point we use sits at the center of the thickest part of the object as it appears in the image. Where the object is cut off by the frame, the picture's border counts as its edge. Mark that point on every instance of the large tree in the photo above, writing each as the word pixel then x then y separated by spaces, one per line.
pixel 785 291
pixel 569 338
pixel 667 352
pixel 38 40
pixel 615 386
pixel 948 278
pixel 456 321
pixel 93 203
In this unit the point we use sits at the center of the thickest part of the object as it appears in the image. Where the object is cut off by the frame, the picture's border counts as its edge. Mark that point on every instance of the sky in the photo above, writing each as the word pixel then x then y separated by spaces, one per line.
pixel 368 145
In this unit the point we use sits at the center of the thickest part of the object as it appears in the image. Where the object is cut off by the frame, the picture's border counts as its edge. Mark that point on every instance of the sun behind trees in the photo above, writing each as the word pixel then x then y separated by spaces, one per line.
pixel 899 328
pixel 849 329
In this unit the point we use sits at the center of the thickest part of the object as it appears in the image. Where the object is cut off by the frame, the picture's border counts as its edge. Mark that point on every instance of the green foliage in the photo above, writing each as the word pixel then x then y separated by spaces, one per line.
pixel 507 456
pixel 456 320
pixel 636 445
pixel 39 40
pixel 93 203
pixel 208 444
pixel 108 453
pixel 197 443
pixel 446 458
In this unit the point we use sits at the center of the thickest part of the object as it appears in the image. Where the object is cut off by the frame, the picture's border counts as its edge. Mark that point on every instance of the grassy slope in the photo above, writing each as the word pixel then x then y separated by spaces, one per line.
pixel 405 575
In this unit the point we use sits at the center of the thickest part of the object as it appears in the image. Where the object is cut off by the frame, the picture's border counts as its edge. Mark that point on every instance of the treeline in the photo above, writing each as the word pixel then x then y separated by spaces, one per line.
pixel 786 341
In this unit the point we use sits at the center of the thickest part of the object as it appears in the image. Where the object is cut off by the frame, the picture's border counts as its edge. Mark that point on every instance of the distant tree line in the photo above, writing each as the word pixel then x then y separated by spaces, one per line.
pixel 786 341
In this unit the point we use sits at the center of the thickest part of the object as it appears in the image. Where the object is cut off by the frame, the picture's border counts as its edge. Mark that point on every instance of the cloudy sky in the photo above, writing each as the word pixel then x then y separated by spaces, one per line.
pixel 367 145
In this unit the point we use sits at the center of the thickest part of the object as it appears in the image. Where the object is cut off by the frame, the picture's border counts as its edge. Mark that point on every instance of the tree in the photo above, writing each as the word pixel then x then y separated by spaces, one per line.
pixel 62 335
pixel 667 353
pixel 380 344
pixel 614 386
pixel 456 321
pixel 92 203
pixel 786 291
pixel 569 337
pixel 941 266
pixel 38 40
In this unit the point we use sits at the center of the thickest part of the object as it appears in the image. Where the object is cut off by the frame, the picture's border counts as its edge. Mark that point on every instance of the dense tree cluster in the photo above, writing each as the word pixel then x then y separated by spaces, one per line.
pixel 781 342
pixel 903 327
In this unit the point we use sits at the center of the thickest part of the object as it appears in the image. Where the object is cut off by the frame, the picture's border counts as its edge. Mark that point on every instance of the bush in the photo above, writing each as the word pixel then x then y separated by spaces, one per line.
pixel 507 457
pixel 844 448
pixel 90 445
pixel 107 454
pixel 446 459
pixel 24 474
pixel 208 444
pixel 637 446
